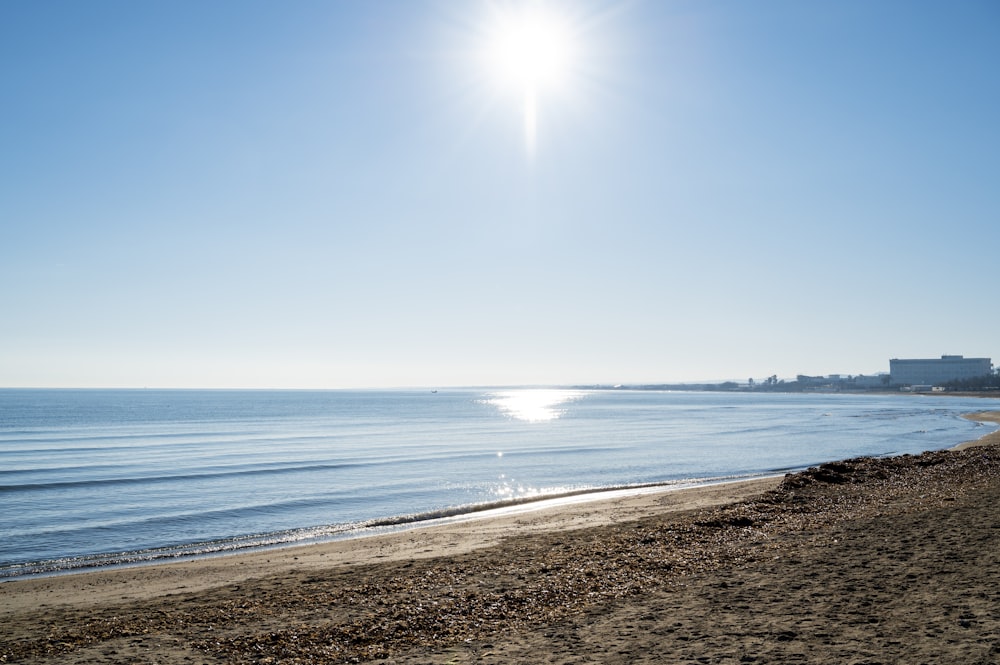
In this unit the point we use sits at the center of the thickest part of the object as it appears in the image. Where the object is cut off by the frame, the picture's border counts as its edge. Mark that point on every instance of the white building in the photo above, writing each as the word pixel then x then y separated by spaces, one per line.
pixel 912 372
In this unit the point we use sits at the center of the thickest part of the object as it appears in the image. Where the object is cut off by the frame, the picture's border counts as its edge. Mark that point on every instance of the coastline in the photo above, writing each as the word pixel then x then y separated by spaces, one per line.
pixel 384 527
pixel 599 568
pixel 989 439
pixel 473 531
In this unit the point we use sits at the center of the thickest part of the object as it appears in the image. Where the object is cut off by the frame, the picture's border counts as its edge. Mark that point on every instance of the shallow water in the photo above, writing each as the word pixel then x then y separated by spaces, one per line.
pixel 89 477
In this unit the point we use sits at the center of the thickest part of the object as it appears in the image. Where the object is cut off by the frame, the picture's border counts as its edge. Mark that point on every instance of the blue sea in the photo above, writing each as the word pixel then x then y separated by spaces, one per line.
pixel 101 477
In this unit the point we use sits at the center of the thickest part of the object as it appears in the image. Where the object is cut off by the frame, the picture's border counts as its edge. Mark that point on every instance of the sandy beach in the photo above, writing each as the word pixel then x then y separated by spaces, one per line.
pixel 861 561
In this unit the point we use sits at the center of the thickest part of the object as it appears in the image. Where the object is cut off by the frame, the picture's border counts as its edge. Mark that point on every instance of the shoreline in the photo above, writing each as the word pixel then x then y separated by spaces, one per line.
pixel 394 525
pixel 988 439
pixel 418 542
pixel 387 526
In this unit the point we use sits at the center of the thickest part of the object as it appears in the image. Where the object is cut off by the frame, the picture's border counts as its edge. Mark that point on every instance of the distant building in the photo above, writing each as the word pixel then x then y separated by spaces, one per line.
pixel 911 372
pixel 876 381
pixel 813 381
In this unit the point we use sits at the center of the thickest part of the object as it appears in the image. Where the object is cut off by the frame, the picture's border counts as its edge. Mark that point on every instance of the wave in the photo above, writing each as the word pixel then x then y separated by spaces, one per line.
pixel 274 470
pixel 150 480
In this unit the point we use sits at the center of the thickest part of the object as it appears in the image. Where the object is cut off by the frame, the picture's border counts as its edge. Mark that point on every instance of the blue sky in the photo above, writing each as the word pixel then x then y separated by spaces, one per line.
pixel 339 194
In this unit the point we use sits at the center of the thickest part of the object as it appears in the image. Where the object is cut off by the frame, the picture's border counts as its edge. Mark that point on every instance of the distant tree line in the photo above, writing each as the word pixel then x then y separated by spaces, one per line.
pixel 985 382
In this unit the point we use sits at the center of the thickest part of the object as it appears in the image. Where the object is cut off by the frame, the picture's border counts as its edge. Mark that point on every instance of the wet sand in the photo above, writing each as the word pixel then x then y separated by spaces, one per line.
pixel 991 439
pixel 861 561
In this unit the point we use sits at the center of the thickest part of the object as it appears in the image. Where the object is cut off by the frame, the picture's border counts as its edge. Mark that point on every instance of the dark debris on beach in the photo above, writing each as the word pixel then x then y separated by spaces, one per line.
pixel 361 613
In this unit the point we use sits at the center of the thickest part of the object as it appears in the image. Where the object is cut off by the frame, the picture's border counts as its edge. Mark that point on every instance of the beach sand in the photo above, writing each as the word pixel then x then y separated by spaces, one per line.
pixel 862 561
pixel 991 439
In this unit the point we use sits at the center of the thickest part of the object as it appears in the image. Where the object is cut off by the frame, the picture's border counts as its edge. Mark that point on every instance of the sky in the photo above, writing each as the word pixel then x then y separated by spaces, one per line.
pixel 249 194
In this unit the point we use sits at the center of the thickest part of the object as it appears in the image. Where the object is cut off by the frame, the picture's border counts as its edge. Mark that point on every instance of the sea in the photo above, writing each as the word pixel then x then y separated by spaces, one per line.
pixel 92 478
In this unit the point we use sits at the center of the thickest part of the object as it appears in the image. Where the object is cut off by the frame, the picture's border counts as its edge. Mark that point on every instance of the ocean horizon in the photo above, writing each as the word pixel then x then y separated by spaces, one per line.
pixel 96 477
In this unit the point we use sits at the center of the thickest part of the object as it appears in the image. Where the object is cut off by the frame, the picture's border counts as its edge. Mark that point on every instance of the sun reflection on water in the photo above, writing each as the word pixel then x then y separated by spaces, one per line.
pixel 533 404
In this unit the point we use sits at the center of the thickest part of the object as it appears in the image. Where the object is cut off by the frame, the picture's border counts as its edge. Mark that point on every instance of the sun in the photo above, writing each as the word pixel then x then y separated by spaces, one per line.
pixel 531 52
pixel 531 49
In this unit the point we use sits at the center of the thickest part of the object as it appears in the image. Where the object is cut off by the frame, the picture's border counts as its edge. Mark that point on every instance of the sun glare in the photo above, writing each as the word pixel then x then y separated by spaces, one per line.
pixel 533 404
pixel 531 52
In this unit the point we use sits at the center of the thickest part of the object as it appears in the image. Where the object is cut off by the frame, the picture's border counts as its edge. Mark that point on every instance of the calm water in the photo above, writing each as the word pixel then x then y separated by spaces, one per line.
pixel 90 477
